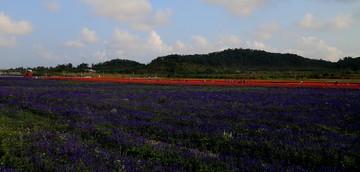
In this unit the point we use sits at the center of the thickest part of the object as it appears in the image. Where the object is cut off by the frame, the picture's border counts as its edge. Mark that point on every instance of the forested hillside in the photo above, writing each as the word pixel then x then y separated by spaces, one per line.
pixel 231 61
pixel 118 66
pixel 234 60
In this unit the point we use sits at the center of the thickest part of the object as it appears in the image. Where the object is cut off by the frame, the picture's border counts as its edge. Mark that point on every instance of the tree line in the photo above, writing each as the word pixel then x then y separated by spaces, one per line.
pixel 230 61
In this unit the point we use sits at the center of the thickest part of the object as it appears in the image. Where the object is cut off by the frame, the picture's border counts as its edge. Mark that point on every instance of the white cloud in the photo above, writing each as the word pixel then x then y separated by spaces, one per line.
pixel 124 40
pixel 240 7
pixel 93 57
pixel 309 47
pixel 126 45
pixel 8 42
pixel 101 53
pixel 265 31
pixel 229 41
pixel 43 53
pixel 335 24
pixel 180 45
pixel 9 26
pixel 341 22
pixel 316 48
pixel 52 6
pixel 157 44
pixel 101 56
pixel 74 44
pixel 162 16
pixel 136 13
pixel 124 36
pixel 200 41
pixel 201 45
pixel 259 45
pixel 86 36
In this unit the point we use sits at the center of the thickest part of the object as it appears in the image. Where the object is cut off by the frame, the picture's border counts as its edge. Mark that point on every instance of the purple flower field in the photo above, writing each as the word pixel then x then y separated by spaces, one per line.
pixel 49 125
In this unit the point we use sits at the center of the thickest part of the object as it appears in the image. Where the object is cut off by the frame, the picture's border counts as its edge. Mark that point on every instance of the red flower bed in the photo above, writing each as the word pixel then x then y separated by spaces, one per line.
pixel 221 82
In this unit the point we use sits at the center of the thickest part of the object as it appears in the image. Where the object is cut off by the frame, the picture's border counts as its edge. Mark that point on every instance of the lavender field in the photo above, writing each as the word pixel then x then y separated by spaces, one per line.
pixel 49 125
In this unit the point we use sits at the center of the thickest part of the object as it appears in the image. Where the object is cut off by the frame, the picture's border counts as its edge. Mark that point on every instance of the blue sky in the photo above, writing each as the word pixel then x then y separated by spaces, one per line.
pixel 50 32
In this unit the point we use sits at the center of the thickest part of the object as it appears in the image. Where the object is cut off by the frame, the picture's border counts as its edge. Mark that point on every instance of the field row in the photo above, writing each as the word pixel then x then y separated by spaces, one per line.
pixel 220 82
pixel 52 125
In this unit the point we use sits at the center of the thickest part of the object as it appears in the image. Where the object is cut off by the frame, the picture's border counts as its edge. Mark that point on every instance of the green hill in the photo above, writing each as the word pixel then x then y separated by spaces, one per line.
pixel 118 66
pixel 219 64
pixel 227 61
pixel 234 60
pixel 349 63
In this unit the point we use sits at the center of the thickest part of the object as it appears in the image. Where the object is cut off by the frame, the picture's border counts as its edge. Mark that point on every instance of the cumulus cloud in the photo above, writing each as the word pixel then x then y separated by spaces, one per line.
pixel 201 45
pixel 138 14
pixel 122 39
pixel 52 6
pixel 229 41
pixel 200 41
pixel 265 31
pixel 44 56
pixel 43 53
pixel 240 7
pixel 335 24
pixel 124 36
pixel 258 45
pixel 157 44
pixel 86 36
pixel 129 46
pixel 9 26
pixel 179 45
pixel 74 44
pixel 309 47
pixel 316 48
pixel 101 56
pixel 162 16
pixel 124 44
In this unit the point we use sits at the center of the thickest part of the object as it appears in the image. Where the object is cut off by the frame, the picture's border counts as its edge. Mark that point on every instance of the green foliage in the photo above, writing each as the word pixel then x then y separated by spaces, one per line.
pixel 349 63
pixel 231 61
pixel 118 66
pixel 13 128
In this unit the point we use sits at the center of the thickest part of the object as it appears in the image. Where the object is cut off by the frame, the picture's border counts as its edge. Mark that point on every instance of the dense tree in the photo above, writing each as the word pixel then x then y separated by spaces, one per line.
pixel 118 66
pixel 349 63
pixel 82 67
pixel 237 59
pixel 223 62
pixel 64 68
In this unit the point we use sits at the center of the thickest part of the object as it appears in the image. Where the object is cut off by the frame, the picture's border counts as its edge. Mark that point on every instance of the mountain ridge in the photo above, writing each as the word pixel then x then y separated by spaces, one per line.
pixel 234 60
pixel 229 61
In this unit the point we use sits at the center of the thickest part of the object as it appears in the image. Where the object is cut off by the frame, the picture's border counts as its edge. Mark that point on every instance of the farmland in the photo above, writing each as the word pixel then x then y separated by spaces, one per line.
pixel 55 125
pixel 221 82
